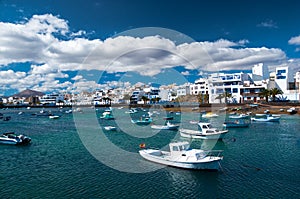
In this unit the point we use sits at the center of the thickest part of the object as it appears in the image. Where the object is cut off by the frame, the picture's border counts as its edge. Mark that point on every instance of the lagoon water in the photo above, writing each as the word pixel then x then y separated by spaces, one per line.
pixel 262 161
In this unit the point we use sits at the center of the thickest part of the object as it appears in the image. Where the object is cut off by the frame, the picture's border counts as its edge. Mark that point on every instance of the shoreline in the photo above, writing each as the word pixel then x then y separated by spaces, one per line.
pixel 274 108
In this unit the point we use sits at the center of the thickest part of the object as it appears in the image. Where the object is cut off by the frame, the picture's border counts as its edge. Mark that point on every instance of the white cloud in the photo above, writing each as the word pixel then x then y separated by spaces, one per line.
pixel 295 40
pixel 268 24
pixel 36 40
pixel 185 73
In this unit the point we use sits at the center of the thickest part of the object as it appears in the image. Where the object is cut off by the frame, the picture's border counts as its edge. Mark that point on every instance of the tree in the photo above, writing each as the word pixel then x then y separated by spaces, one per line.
pixel 157 99
pixel 200 98
pixel 206 98
pixel 265 93
pixel 145 99
pixel 220 97
pixel 274 92
pixel 227 95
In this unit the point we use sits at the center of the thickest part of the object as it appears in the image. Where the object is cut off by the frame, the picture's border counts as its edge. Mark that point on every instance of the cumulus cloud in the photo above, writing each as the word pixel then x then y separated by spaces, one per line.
pixel 185 73
pixel 46 41
pixel 295 40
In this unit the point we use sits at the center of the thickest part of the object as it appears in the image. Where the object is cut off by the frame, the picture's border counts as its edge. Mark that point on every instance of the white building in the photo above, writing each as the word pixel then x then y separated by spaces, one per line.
pixel 51 99
pixel 240 85
pixel 260 71
pixel 284 78
pixel 200 86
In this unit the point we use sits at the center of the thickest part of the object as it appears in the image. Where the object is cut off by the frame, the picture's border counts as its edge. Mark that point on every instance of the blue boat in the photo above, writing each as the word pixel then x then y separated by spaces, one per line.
pixel 236 124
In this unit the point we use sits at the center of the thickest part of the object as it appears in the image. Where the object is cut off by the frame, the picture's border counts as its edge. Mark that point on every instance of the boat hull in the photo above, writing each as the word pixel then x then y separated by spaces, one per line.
pixel 198 135
pixel 214 164
pixel 160 127
pixel 235 125
pixel 265 120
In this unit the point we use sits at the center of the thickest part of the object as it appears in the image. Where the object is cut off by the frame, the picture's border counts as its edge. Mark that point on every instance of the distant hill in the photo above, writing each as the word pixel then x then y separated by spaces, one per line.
pixel 28 93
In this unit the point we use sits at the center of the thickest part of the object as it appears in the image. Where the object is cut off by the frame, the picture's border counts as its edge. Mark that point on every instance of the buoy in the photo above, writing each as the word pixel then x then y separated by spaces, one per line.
pixel 142 145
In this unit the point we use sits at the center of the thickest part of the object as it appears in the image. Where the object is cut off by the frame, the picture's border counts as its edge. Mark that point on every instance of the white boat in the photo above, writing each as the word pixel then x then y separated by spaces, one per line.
pixel 239 123
pixel 292 110
pixel 13 139
pixel 194 122
pixel 68 111
pixel 107 115
pixel 209 115
pixel 131 111
pixel 110 128
pixel 168 126
pixel 142 121
pixel 54 117
pixel 206 132
pixel 181 156
pixel 240 116
pixel 268 118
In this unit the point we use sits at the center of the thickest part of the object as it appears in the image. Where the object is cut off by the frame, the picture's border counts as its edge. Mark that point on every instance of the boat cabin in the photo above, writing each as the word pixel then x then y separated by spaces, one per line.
pixel 179 146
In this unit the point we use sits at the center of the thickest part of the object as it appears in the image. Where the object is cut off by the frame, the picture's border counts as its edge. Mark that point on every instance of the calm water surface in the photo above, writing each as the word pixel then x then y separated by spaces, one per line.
pixel 262 161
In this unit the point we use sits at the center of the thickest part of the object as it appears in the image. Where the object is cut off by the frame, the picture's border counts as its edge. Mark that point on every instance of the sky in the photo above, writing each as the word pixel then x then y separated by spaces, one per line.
pixel 71 46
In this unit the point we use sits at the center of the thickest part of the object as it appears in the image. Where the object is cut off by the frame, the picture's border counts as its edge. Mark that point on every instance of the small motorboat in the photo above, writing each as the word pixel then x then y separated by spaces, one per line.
pixel 240 123
pixel 168 126
pixel 142 121
pixel 209 115
pixel 181 156
pixel 14 139
pixel 267 118
pixel 110 128
pixel 107 115
pixel 292 111
pixel 54 116
pixel 206 132
pixel 131 111
pixel 240 116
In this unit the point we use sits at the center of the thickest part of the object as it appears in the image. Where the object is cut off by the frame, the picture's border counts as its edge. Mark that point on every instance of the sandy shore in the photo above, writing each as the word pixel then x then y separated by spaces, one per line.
pixel 261 108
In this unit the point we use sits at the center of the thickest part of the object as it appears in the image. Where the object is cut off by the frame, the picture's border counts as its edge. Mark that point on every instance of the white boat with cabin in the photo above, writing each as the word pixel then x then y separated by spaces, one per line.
pixel 206 132
pixel 266 118
pixel 181 156
pixel 168 126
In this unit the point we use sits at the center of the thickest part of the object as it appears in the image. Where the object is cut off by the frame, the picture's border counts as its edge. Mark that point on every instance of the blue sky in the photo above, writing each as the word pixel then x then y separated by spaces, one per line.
pixel 66 45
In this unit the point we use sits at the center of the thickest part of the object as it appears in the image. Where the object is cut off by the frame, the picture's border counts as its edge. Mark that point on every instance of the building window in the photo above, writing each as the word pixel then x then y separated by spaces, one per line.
pixel 247 91
pixel 235 90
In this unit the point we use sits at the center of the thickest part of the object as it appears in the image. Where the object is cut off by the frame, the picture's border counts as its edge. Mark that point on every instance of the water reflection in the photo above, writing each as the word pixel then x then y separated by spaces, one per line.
pixel 192 183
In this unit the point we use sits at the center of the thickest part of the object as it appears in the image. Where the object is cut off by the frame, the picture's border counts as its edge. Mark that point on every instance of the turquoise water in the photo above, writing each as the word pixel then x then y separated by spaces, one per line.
pixel 261 161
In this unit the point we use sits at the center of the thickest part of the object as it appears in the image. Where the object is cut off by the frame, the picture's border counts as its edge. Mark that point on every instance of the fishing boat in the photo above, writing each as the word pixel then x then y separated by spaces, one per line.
pixel 14 139
pixel 168 126
pixel 54 116
pixel 239 116
pixel 107 115
pixel 266 118
pixel 142 121
pixel 292 111
pixel 110 128
pixel 240 123
pixel 131 111
pixel 181 156
pixel 206 132
pixel 209 115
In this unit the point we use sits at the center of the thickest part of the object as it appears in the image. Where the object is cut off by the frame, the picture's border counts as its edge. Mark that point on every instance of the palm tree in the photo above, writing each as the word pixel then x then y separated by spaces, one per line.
pixel 219 97
pixel 206 98
pixel 227 95
pixel 265 93
pixel 274 92
pixel 200 98
pixel 145 99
